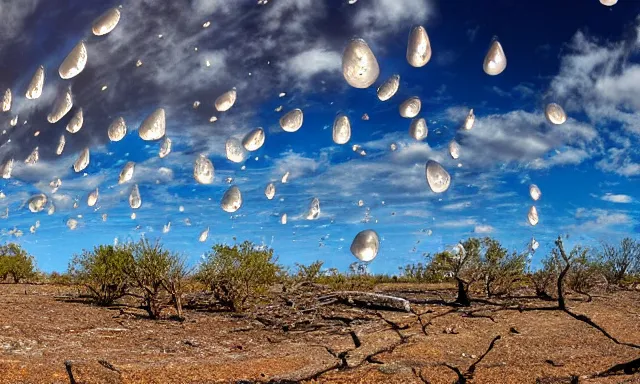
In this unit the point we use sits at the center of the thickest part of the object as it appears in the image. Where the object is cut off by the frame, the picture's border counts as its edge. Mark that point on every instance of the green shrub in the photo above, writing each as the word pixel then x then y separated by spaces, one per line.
pixel 545 279
pixel 103 271
pixel 465 267
pixel 500 269
pixel 16 262
pixel 585 271
pixel 238 273
pixel 621 263
pixel 309 273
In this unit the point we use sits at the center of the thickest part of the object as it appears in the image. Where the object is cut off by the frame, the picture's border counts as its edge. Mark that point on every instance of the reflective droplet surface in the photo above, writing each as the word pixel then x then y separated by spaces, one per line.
pixel 153 127
pixel 437 177
pixel 389 88
pixel 285 178
pixel 418 129
pixel 365 245
pixel 360 203
pixel 165 148
pixel 127 172
pixel 92 199
pixel 61 107
pixel 34 90
pixel 454 149
pixel 133 216
pixel 37 202
pixel 76 121
pixel 609 3
pixel 270 191
pixel 231 200
pixel 7 168
pixel 253 140
pixel 106 22
pixel 117 129
pixel 495 61
pixel 6 101
pixel 82 161
pixel 204 235
pixel 14 121
pixel 283 219
pixel 235 150
pixel 359 65
pixel 341 130
pixel 534 244
pixel 203 170
pixel 72 224
pixel 555 114
pixel 365 117
pixel 135 201
pixel 75 62
pixel 292 120
pixel 314 209
pixel 104 217
pixel 469 120
pixel 534 192
pixel 418 47
pixel 410 107
pixel 166 228
pixel 393 146
pixel 533 215
pixel 33 157
pixel 225 101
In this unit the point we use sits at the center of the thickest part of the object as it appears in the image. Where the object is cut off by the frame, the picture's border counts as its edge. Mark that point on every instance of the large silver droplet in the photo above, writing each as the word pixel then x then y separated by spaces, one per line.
pixel 72 224
pixel 359 65
pixel 82 161
pixel 37 202
pixel 495 61
pixel 153 127
pixel 418 129
pixel 165 148
pixel 314 209
pixel 341 129
pixel 7 168
pixel 61 107
pixel 76 122
pixel 231 200
pixel 389 88
pixel 534 192
pixel 365 245
pixel 37 83
pixel 135 201
pixel 437 177
pixel 609 3
pixel 92 199
pixel 117 129
pixel 127 172
pixel 270 191
pixel 410 107
pixel 203 170
pixel 106 22
pixel 225 101
pixel 204 235
pixel 469 120
pixel 533 215
pixel 454 149
pixel 33 157
pixel 418 47
pixel 235 151
pixel 292 120
pixel 6 101
pixel 283 219
pixel 75 62
pixel 253 140
pixel 555 114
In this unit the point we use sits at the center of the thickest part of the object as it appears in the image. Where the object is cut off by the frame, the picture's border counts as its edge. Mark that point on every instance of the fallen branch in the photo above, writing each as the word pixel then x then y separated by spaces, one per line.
pixel 628 368
pixel 108 365
pixel 370 300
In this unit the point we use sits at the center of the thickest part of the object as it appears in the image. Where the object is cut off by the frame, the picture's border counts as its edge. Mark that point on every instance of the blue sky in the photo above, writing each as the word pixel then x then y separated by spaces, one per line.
pixel 580 54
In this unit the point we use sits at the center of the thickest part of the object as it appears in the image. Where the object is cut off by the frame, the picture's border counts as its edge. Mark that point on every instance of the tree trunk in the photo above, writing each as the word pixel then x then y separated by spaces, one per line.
pixel 177 299
pixel 463 295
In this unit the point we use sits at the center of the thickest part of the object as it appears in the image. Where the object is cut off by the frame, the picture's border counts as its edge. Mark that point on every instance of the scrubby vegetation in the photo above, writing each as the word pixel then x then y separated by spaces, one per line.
pixel 16 263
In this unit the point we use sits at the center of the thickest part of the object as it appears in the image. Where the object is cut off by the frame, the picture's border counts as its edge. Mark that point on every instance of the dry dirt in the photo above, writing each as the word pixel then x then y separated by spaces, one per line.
pixel 294 339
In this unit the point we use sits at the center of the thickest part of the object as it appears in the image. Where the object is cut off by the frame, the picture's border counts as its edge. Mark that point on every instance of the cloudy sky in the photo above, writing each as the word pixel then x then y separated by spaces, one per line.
pixel 287 54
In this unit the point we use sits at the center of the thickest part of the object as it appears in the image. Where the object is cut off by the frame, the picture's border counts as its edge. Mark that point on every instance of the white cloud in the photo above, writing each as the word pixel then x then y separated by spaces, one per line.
pixel 377 17
pixel 457 206
pixel 483 229
pixel 617 198
pixel 459 223
pixel 13 15
pixel 312 62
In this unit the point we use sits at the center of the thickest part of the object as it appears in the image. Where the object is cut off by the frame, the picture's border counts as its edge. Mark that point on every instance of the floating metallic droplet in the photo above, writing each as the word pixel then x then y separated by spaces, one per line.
pixel 165 148
pixel 127 172
pixel 225 101
pixel 341 129
pixel 82 161
pixel 389 88
pixel 117 129
pixel 166 228
pixel 92 199
pixel 76 122
pixel 270 191
pixel 454 149
pixel 7 168
pixel 75 62
pixel 360 203
pixel 135 201
pixel 235 151
pixel 534 244
pixel 534 191
pixel 418 47
pixel 555 114
pixel 37 83
pixel 418 129
pixel 33 157
pixel 231 200
pixel 314 209
pixel 6 101
pixel 533 215
pixel 437 177
pixel 14 121
pixel 104 217
pixel 292 120
pixel 203 170
pixel 72 224
pixel 365 117
pixel 106 22
pixel 393 146
pixel 204 235
pixel 37 202
pixel 359 65
pixel 253 140
pixel 365 245
pixel 410 107
pixel 469 120
pixel 283 219
pixel 609 3
pixel 61 107
pixel 154 126
pixel 133 216
pixel 495 61
pixel 285 178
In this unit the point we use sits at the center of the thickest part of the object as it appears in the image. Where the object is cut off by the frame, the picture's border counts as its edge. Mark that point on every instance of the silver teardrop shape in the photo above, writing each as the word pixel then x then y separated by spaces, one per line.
pixel 555 114
pixel 341 130
pixel 76 122
pixel 437 177
pixel 365 245
pixel 253 140
pixel 106 22
pixel 225 101
pixel 135 201
pixel 127 172
pixel 292 120
pixel 495 61
pixel 410 107
pixel 359 65
pixel 62 106
pixel 117 129
pixel 389 88
pixel 34 90
pixel 418 47
pixel 203 170
pixel 153 127
pixel 75 62
pixel 231 200
pixel 418 129
pixel 83 160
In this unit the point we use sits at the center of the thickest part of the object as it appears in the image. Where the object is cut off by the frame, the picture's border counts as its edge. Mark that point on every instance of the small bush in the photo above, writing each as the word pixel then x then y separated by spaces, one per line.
pixel 309 273
pixel 621 263
pixel 545 279
pixel 58 278
pixel 236 274
pixel 464 266
pixel 16 262
pixel 585 272
pixel 500 269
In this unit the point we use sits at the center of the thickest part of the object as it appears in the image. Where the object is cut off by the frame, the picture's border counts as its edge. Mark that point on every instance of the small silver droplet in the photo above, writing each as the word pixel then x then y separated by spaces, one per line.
pixel 135 201
pixel 314 209
pixel 117 129
pixel 454 149
pixel 127 172
pixel 555 114
pixel 410 107
pixel 83 160
pixel 437 177
pixel 165 148
pixel 37 83
pixel 231 200
pixel 418 129
pixel 533 215
pixel 292 120
pixel 225 101
pixel 389 88
pixel 37 202
pixel 92 199
pixel 62 105
pixel 76 122
pixel 534 192
pixel 270 191
pixel 203 170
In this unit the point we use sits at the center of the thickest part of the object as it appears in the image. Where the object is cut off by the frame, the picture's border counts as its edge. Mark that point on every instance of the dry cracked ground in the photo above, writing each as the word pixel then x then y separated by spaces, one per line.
pixel 306 336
